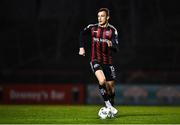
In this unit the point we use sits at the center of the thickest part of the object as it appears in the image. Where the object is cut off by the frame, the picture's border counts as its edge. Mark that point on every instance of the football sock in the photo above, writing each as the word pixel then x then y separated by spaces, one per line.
pixel 111 98
pixel 108 104
pixel 103 92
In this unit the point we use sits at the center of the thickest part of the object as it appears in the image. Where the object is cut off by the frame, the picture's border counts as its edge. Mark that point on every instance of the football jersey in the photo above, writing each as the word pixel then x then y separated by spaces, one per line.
pixel 100 51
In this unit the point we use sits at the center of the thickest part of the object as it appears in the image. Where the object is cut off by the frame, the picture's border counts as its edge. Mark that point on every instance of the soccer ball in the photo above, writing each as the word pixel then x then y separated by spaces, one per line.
pixel 104 113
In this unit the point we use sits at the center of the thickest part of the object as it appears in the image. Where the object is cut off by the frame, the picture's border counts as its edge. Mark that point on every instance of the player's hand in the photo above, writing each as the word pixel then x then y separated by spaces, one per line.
pixel 109 43
pixel 82 51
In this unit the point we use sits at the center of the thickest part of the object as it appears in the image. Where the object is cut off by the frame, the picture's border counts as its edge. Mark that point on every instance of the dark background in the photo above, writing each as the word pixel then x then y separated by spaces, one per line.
pixel 39 40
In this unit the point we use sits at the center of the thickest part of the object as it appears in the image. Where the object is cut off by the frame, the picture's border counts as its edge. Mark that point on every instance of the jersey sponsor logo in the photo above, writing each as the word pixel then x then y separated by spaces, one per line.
pixel 100 39
pixel 107 33
pixel 95 31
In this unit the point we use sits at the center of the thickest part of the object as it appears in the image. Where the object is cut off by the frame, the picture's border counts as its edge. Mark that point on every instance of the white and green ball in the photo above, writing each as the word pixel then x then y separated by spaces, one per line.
pixel 104 113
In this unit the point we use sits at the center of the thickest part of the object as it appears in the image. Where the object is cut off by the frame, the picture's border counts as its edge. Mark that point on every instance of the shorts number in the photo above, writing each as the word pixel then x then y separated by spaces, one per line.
pixel 112 72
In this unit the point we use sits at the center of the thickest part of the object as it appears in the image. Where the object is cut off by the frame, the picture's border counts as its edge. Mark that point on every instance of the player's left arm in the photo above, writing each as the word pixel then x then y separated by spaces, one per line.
pixel 113 44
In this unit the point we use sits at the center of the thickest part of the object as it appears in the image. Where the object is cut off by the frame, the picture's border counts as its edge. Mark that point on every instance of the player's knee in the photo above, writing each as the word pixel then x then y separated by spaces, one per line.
pixel 102 81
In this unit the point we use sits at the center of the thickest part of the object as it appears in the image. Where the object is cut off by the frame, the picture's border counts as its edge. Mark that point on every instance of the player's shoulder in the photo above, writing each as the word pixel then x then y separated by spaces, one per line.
pixel 114 29
pixel 92 25
pixel 111 26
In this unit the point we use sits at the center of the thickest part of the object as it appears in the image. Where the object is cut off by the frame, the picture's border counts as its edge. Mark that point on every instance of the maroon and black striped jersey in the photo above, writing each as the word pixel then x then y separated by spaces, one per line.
pixel 99 36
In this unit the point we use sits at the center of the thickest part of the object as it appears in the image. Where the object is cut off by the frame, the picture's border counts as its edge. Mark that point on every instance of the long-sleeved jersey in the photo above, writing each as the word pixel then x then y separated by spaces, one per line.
pixel 99 38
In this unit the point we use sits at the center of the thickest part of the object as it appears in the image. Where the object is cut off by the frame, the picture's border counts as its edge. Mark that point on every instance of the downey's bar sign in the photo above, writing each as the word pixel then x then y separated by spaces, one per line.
pixel 50 94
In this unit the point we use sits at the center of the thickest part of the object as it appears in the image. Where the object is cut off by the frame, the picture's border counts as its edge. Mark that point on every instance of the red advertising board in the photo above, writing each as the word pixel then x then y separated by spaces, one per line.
pixel 43 94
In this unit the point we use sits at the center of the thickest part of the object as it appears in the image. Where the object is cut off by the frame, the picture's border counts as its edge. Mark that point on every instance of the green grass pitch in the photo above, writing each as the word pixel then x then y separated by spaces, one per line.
pixel 58 114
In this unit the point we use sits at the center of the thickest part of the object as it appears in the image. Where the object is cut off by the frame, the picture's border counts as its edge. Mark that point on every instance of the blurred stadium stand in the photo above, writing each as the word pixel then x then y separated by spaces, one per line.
pixel 39 40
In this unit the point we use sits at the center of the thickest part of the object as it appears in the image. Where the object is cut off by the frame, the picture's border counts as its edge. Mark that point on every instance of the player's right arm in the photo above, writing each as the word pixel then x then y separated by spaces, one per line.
pixel 82 38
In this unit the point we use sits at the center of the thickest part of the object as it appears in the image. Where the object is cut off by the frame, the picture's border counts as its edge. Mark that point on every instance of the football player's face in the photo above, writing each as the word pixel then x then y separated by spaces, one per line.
pixel 102 18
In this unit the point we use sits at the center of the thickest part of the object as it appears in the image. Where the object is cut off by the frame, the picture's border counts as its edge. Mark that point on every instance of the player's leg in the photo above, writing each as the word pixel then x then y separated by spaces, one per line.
pixel 109 72
pixel 110 76
pixel 111 91
pixel 97 70
pixel 99 73
pixel 102 86
pixel 103 90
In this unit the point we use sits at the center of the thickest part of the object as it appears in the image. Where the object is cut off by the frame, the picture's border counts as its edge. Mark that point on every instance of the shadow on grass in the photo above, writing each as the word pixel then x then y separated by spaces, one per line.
pixel 127 115
pixel 130 115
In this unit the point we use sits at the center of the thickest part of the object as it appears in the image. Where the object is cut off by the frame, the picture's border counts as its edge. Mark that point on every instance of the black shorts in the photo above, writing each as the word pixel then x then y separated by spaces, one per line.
pixel 108 70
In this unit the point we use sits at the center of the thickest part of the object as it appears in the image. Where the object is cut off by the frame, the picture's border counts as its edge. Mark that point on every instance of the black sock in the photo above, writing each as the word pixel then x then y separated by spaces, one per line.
pixel 111 98
pixel 103 92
